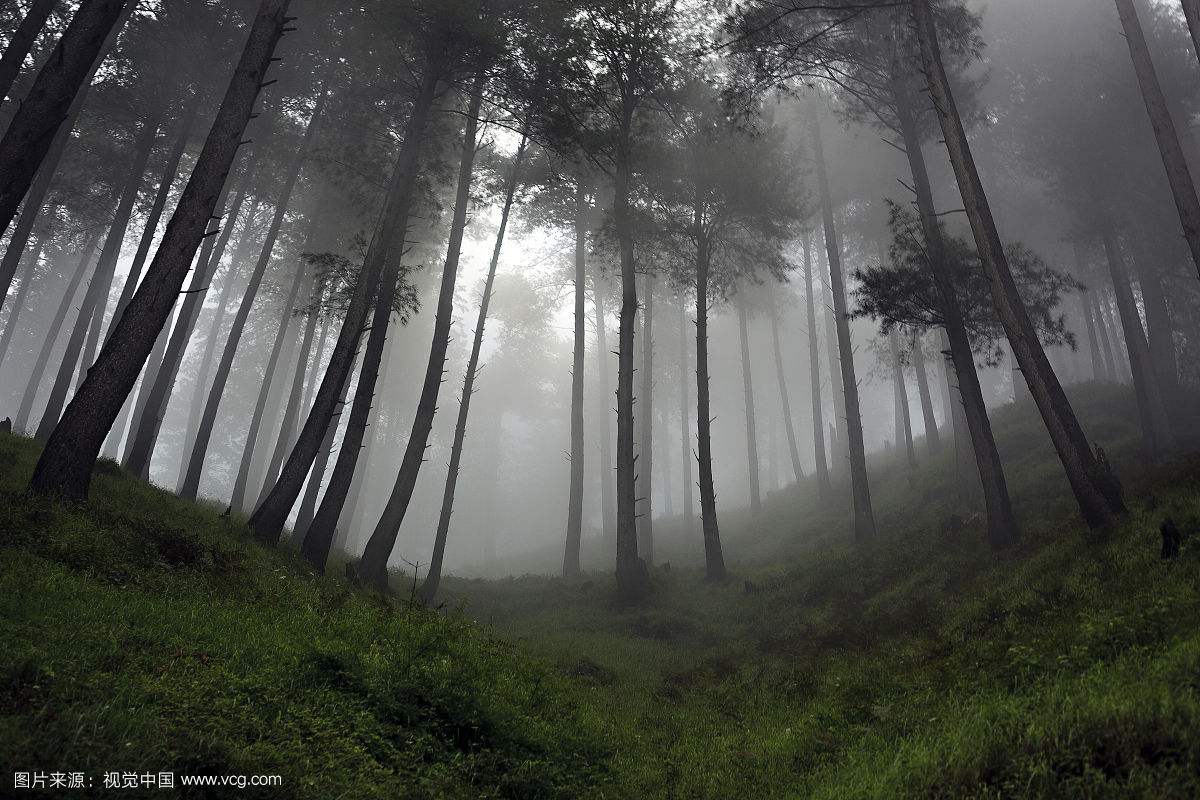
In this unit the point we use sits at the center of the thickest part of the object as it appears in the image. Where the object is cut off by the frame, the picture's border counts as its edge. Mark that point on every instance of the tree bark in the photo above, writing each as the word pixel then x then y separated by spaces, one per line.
pixel 1095 487
pixel 10 325
pixel 1191 12
pixel 608 491
pixel 66 463
pixel 571 567
pixel 838 455
pixel 784 402
pixel 932 438
pixel 645 471
pixel 685 426
pixel 373 564
pixel 1099 371
pixel 272 512
pixel 1183 189
pixel 25 410
pixel 30 133
pixel 748 400
pixel 824 485
pixel 714 558
pixel 22 42
pixel 1160 335
pixel 308 505
pixel 904 419
pixel 864 515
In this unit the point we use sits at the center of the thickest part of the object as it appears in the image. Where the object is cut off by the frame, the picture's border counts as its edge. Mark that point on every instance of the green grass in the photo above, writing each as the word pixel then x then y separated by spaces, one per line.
pixel 145 633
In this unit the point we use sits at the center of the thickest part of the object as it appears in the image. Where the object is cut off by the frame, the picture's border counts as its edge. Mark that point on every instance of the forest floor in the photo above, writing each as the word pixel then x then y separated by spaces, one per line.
pixel 144 633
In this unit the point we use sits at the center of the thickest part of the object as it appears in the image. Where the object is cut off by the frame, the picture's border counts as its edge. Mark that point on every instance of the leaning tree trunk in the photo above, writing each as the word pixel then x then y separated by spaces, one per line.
pixel 25 410
pixel 1099 371
pixel 685 426
pixel 904 418
pixel 434 573
pixel 748 398
pixel 1111 340
pixel 932 438
pixel 864 515
pixel 22 42
pixel 273 510
pixel 1152 410
pixel 1160 335
pixel 308 506
pixel 373 564
pixel 66 462
pixel 839 456
pixel 31 132
pixel 571 567
pixel 824 485
pixel 35 255
pixel 714 559
pixel 646 446
pixel 1178 175
pixel 191 479
pixel 1191 11
pixel 784 402
pixel 608 491
pixel 1096 489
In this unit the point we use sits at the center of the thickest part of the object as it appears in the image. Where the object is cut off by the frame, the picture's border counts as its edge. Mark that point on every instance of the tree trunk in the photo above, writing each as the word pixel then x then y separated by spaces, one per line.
pixel 25 410
pixel 748 400
pixel 714 559
pixel 608 491
pixel 932 438
pixel 1110 363
pixel 685 426
pixel 308 505
pixel 645 472
pixel 1099 371
pixel 373 564
pixel 571 566
pixel 1096 489
pixel 30 133
pixel 784 402
pixel 22 42
pixel 27 279
pixel 66 462
pixel 1160 334
pixel 904 419
pixel 1191 11
pixel 864 515
pixel 838 455
pixel 191 479
pixel 1157 436
pixel 272 512
pixel 1174 162
pixel 814 373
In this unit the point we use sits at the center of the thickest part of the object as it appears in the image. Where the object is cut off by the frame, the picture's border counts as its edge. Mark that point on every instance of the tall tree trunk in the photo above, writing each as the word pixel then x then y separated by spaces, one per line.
pixel 314 380
pixel 1096 489
pixel 904 418
pixel 1157 436
pixel 864 515
pixel 748 399
pixel 685 426
pixel 571 567
pixel 838 455
pixel 373 564
pixel 1160 333
pixel 22 42
pixel 1178 175
pixel 932 438
pixel 1099 371
pixel 784 402
pixel 273 510
pixel 191 479
pixel 352 524
pixel 1191 11
pixel 27 279
pixel 25 410
pixel 31 132
pixel 66 462
pixel 1121 364
pixel 308 505
pixel 714 558
pixel 608 491
pixel 814 373
pixel 645 472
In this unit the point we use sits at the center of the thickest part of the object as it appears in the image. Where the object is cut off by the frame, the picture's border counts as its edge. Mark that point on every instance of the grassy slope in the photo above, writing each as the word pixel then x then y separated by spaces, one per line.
pixel 926 667
pixel 142 632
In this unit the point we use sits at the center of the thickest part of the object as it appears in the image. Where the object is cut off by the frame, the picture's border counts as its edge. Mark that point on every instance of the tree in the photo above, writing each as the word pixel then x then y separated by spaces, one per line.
pixel 22 42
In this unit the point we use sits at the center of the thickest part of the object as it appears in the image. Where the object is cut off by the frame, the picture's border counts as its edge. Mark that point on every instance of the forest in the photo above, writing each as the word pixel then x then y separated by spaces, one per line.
pixel 600 398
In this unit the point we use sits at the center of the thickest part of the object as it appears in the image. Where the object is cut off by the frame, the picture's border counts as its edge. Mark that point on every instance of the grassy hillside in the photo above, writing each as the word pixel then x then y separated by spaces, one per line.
pixel 144 633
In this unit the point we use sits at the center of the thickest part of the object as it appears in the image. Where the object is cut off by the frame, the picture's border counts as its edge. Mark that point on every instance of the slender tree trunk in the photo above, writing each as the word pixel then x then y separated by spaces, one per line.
pixel 25 410
pixel 22 42
pixel 714 559
pixel 784 402
pixel 30 133
pixel 191 479
pixel 66 462
pixel 685 426
pixel 373 564
pixel 838 455
pixel 312 383
pixel 932 438
pixel 864 515
pixel 1159 332
pixel 646 446
pixel 272 512
pixel 27 279
pixel 814 372
pixel 1121 366
pixel 1096 489
pixel 1157 436
pixel 748 398
pixel 1191 11
pixel 571 566
pixel 312 491
pixel 1099 372
pixel 352 524
pixel 1178 175
pixel 608 491
pixel 904 420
